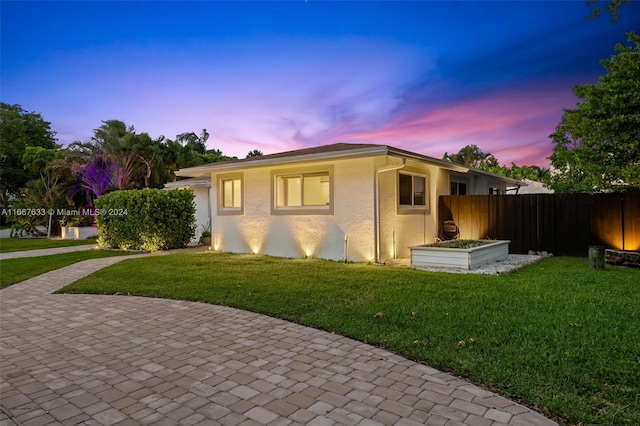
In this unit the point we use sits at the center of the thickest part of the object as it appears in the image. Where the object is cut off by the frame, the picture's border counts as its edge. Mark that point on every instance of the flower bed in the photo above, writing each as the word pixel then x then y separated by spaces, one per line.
pixel 446 254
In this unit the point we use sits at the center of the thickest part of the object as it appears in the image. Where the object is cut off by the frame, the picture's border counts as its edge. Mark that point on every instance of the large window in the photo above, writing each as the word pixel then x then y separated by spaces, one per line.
pixel 412 190
pixel 303 193
pixel 230 195
pixel 458 188
pixel 303 190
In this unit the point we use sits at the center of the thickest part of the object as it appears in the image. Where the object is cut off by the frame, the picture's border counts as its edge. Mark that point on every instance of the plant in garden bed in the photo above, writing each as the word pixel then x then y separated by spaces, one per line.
pixel 205 235
pixel 460 244
pixel 556 335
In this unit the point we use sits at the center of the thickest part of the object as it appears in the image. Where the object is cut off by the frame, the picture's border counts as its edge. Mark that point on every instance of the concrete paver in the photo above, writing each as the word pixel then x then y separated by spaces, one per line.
pixel 119 360
pixel 46 252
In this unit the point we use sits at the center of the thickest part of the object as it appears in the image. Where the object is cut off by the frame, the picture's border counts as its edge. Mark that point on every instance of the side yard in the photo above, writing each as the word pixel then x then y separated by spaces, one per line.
pixel 557 336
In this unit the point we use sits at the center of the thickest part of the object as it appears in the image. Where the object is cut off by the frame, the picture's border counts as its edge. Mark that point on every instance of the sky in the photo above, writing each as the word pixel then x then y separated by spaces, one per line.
pixel 425 76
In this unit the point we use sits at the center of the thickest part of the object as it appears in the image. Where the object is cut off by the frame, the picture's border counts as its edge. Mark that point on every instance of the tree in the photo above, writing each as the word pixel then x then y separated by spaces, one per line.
pixel 611 6
pixel 470 156
pixel 255 153
pixel 18 130
pixel 597 144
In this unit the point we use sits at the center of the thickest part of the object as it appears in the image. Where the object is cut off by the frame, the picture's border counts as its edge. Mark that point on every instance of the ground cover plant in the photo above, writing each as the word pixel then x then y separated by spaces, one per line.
pixel 15 270
pixel 19 244
pixel 460 244
pixel 558 336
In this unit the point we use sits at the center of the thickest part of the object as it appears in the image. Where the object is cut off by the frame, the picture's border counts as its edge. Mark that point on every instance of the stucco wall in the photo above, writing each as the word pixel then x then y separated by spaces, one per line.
pixel 401 228
pixel 477 184
pixel 202 209
pixel 299 235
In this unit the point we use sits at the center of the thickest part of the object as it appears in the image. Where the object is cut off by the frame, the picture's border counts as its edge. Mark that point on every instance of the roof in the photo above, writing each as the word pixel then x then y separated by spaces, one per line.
pixel 328 152
pixel 204 181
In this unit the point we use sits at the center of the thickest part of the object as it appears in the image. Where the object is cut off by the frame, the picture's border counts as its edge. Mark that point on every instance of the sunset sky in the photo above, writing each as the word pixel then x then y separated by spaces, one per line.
pixel 424 76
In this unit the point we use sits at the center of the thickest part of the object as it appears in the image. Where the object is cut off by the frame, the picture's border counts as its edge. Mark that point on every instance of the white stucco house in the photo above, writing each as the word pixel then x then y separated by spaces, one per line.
pixel 355 202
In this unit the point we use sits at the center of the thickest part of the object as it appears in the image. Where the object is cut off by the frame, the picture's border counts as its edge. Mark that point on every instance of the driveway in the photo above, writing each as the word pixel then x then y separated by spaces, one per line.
pixel 105 360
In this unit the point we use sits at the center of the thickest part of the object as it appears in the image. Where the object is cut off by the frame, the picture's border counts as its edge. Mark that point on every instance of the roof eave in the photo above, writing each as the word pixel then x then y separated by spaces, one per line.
pixel 200 171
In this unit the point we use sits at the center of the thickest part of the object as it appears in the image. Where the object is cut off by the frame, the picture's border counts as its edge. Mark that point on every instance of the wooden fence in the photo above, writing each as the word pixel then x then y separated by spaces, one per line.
pixel 562 224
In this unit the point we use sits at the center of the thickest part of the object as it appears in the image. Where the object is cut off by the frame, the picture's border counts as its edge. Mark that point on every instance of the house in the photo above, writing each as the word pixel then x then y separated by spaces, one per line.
pixel 530 187
pixel 354 202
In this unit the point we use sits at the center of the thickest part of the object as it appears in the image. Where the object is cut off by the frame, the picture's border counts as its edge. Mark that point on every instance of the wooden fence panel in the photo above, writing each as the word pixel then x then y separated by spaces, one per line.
pixel 571 224
pixel 631 230
pixel 563 224
pixel 606 220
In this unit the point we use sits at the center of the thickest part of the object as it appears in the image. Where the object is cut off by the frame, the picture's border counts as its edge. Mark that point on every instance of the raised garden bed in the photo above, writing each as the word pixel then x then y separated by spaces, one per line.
pixel 462 254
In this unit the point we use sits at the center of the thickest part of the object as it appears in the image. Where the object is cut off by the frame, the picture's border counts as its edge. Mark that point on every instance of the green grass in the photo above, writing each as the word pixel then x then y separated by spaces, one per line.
pixel 16 270
pixel 556 336
pixel 19 244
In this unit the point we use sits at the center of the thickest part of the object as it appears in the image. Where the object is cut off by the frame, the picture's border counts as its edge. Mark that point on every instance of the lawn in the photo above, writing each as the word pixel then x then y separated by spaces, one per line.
pixel 16 270
pixel 19 244
pixel 556 336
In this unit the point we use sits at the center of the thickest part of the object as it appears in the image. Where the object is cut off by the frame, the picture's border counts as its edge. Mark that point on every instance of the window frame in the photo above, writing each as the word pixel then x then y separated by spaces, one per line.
pixel 303 172
pixel 227 211
pixel 458 182
pixel 413 208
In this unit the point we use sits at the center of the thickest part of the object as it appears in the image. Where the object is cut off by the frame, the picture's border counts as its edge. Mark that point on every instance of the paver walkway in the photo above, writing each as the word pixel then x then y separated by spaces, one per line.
pixel 45 252
pixel 105 360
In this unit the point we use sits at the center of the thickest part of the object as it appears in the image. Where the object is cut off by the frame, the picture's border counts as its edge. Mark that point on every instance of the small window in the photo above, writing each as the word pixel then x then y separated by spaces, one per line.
pixel 458 188
pixel 230 195
pixel 412 190
pixel 494 191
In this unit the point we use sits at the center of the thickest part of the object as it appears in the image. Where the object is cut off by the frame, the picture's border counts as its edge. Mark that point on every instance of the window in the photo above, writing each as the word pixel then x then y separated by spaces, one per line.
pixel 494 191
pixel 458 188
pixel 230 200
pixel 303 190
pixel 412 190
pixel 307 192
pixel 231 194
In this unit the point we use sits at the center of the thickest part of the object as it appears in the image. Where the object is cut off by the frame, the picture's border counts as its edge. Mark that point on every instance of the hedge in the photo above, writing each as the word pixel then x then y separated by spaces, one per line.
pixel 146 219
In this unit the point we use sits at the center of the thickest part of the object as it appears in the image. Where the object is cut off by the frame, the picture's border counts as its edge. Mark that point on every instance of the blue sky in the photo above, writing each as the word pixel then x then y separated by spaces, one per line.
pixel 424 76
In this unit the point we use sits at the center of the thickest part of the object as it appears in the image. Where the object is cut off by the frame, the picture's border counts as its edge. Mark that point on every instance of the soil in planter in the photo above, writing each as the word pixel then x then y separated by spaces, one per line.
pixel 460 244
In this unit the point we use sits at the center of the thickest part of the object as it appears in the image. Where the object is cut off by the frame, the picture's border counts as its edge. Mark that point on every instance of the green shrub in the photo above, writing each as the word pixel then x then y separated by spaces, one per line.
pixel 147 219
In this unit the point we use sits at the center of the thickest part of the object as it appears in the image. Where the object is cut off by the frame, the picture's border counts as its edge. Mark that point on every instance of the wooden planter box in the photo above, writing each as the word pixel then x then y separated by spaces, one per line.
pixel 472 258
pixel 78 232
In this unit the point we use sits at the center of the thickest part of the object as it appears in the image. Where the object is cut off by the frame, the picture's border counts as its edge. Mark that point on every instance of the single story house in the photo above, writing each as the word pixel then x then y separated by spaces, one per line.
pixel 352 202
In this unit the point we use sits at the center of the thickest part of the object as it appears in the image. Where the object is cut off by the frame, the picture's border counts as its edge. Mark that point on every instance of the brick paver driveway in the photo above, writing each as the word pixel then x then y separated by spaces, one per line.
pixel 104 360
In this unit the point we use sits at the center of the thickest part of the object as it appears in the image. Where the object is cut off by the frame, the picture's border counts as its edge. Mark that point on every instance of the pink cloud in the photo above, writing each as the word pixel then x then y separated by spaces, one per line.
pixel 513 125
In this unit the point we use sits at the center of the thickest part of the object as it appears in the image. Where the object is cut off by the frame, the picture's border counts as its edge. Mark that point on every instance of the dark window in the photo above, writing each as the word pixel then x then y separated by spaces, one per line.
pixel 458 188
pixel 412 190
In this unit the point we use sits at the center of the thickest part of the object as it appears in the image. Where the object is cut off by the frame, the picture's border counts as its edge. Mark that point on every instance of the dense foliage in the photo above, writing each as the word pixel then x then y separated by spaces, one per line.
pixel 19 129
pixel 472 156
pixel 597 144
pixel 38 175
pixel 148 219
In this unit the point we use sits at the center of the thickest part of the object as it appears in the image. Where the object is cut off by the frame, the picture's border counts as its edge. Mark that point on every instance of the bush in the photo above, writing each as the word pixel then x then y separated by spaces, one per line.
pixel 147 219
